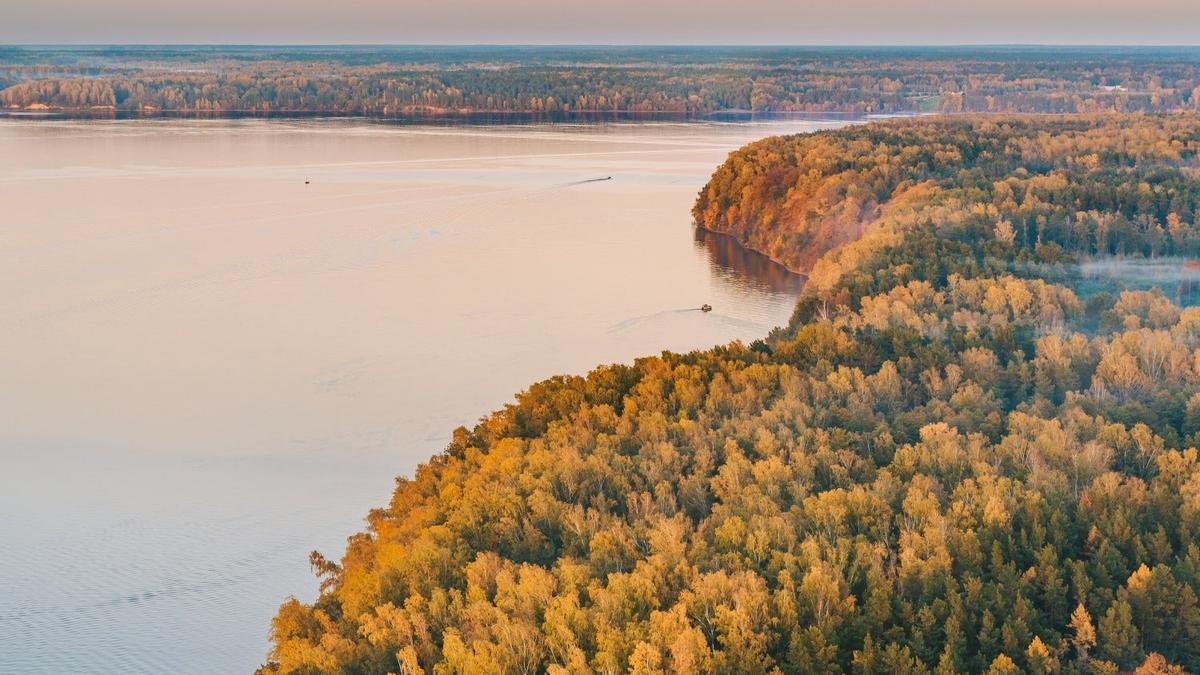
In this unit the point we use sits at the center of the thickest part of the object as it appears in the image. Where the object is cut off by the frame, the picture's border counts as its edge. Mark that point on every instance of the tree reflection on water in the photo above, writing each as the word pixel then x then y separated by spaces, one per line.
pixel 737 265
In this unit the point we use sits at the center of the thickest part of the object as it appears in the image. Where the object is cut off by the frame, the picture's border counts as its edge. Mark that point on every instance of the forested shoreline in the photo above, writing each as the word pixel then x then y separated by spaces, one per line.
pixel 679 81
pixel 962 455
pixel 797 198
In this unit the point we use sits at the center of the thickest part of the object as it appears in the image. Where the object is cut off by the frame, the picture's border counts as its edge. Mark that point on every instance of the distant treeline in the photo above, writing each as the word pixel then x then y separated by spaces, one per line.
pixel 402 81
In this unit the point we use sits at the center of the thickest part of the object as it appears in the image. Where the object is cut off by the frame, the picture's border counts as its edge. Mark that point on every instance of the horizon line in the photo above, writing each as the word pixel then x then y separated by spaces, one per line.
pixel 617 45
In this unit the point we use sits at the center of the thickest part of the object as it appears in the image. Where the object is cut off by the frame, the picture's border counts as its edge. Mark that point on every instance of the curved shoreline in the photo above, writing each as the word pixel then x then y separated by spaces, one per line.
pixel 751 249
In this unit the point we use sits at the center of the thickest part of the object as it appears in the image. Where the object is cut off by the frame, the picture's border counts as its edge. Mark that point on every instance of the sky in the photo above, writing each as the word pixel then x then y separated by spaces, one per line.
pixel 849 22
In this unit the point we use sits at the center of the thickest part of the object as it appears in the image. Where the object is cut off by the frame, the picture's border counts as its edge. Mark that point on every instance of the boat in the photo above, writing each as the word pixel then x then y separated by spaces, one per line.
pixel 706 307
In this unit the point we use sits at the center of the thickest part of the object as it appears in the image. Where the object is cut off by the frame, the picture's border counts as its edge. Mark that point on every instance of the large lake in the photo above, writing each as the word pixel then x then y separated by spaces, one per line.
pixel 221 340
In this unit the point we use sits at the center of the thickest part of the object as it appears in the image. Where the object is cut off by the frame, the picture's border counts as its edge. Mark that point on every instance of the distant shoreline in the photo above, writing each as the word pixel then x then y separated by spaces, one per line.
pixel 447 117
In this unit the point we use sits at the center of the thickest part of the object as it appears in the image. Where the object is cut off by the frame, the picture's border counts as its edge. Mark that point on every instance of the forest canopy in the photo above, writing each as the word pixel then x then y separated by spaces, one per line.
pixel 550 81
pixel 964 454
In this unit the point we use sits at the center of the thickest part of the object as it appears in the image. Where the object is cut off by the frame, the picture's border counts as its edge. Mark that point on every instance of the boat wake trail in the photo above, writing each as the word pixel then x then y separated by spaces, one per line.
pixel 586 181
pixel 631 322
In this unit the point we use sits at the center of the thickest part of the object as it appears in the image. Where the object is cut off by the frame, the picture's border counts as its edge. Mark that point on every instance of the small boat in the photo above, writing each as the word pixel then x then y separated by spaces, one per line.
pixel 706 307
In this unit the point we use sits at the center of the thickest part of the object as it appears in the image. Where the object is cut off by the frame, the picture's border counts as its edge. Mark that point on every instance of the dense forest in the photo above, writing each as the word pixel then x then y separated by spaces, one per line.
pixel 685 81
pixel 962 455
pixel 1074 192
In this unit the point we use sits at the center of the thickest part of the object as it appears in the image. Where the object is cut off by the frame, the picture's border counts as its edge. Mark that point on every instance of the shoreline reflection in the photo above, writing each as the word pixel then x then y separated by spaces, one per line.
pixel 734 264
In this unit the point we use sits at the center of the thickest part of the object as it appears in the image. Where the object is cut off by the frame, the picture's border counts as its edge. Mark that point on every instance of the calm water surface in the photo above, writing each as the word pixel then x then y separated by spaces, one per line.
pixel 220 341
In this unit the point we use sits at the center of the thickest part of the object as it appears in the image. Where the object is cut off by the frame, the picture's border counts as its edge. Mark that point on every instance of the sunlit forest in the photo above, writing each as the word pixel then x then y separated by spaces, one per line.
pixel 962 455
pixel 684 81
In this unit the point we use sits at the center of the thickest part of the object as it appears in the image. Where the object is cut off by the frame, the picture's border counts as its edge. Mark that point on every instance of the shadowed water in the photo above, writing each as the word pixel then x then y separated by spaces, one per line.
pixel 741 268
pixel 221 340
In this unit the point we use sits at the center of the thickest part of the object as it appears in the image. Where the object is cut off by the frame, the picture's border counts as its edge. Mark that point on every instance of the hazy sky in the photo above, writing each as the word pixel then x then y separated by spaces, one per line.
pixel 603 21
